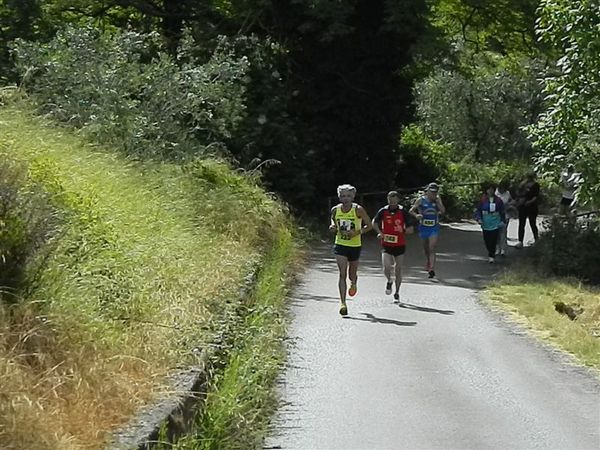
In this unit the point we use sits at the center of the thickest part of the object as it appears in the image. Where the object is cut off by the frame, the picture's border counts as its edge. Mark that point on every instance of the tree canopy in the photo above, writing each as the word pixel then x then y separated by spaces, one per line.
pixel 567 132
pixel 329 85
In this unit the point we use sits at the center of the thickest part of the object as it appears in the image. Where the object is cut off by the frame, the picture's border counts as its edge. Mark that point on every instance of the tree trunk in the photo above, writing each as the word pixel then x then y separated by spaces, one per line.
pixel 172 23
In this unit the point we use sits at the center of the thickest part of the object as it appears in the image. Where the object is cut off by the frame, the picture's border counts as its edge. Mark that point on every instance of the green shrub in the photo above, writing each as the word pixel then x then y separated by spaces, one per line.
pixel 422 159
pixel 462 183
pixel 460 178
pixel 26 223
pixel 123 91
pixel 570 248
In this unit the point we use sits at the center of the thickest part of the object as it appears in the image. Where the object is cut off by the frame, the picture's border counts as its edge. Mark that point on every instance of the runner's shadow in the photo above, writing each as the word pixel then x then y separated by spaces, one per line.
pixel 446 312
pixel 374 319
pixel 301 299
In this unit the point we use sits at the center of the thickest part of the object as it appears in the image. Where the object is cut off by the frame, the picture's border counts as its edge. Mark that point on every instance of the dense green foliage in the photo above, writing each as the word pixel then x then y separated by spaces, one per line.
pixel 461 177
pixel 481 116
pixel 570 248
pixel 475 27
pixel 567 132
pixel 124 92
pixel 332 91
pixel 27 222
pixel 328 84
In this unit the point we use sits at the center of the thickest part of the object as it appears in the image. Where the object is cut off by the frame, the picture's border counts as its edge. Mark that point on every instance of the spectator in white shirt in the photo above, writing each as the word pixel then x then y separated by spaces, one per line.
pixel 503 192
pixel 569 179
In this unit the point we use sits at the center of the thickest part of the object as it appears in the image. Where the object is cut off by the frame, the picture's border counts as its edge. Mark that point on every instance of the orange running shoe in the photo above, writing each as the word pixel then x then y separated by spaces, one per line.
pixel 352 290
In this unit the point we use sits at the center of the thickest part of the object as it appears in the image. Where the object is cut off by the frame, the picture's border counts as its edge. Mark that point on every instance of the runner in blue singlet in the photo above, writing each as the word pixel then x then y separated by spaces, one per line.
pixel 427 210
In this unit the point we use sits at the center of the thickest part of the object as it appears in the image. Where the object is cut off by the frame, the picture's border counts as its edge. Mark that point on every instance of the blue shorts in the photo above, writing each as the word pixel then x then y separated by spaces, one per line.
pixel 352 253
pixel 427 232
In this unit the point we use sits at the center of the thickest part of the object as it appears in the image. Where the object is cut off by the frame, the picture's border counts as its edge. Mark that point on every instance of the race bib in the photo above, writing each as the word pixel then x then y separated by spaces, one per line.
pixel 428 222
pixel 390 238
pixel 345 226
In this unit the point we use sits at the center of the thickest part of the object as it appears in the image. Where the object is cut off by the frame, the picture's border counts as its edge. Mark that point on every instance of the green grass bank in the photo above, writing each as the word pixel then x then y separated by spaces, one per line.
pixel 142 265
pixel 539 303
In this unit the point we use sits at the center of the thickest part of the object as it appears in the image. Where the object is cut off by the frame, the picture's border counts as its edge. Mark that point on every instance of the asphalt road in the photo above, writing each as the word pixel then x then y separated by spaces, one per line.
pixel 441 371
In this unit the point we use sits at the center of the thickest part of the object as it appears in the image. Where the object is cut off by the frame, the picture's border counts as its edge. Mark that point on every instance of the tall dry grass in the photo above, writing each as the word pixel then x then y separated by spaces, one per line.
pixel 145 268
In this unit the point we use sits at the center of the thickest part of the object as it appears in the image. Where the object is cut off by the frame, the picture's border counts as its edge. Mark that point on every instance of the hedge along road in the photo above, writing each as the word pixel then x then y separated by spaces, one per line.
pixel 441 371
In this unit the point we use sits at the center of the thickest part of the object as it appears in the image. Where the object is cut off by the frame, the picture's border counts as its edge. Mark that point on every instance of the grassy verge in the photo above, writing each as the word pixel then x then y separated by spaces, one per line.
pixel 532 299
pixel 143 269
pixel 242 396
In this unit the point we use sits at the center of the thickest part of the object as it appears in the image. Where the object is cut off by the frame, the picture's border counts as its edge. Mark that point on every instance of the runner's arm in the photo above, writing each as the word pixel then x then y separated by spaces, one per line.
pixel 414 210
pixel 366 220
pixel 479 212
pixel 376 221
pixel 409 223
pixel 440 204
pixel 535 190
pixel 332 224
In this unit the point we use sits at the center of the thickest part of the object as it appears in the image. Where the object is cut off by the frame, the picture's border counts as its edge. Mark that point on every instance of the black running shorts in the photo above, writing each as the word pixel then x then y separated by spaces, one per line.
pixel 352 253
pixel 394 251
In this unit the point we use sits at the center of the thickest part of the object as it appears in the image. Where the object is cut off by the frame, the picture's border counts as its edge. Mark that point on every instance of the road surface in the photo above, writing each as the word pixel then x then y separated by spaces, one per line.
pixel 439 372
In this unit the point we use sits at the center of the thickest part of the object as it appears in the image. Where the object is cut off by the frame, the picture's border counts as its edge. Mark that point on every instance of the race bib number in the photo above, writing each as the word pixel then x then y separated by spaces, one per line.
pixel 390 238
pixel 428 222
pixel 345 226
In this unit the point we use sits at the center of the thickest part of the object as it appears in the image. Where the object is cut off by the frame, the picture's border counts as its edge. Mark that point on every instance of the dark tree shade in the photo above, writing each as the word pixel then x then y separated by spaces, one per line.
pixel 353 98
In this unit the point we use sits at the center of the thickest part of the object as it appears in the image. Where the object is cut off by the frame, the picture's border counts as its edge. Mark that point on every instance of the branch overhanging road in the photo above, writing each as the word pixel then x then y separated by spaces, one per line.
pixel 440 371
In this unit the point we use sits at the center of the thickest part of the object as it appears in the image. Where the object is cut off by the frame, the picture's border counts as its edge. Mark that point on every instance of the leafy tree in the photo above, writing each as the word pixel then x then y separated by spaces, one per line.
pixel 347 61
pixel 166 16
pixel 567 131
pixel 18 19
pixel 343 90
pixel 481 116
pixel 505 27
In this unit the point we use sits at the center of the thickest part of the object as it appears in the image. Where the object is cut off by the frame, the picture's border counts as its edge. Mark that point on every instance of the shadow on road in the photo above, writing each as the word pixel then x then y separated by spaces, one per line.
pixel 300 300
pixel 446 312
pixel 374 319
pixel 461 258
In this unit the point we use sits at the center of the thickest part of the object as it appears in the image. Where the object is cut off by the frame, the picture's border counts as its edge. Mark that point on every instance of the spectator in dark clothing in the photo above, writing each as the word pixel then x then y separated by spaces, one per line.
pixel 528 195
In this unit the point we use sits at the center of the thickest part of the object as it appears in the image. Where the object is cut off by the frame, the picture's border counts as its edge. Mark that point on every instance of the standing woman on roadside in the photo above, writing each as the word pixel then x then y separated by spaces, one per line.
pixel 491 217
pixel 528 195
pixel 349 221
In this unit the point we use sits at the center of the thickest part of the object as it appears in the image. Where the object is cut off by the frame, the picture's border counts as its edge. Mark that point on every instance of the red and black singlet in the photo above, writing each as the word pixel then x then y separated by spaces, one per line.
pixel 393 226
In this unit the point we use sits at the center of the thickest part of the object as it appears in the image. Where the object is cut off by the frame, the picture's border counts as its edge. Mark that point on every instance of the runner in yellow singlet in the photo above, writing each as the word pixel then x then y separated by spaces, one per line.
pixel 349 220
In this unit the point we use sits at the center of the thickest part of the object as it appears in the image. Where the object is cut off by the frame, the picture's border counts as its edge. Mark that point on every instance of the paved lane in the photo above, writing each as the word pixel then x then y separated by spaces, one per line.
pixel 441 371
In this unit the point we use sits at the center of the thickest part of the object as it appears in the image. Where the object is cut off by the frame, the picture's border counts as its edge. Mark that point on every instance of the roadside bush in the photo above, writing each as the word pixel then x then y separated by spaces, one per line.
pixel 26 223
pixel 462 183
pixel 460 178
pixel 122 90
pixel 422 159
pixel 570 248
pixel 228 194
